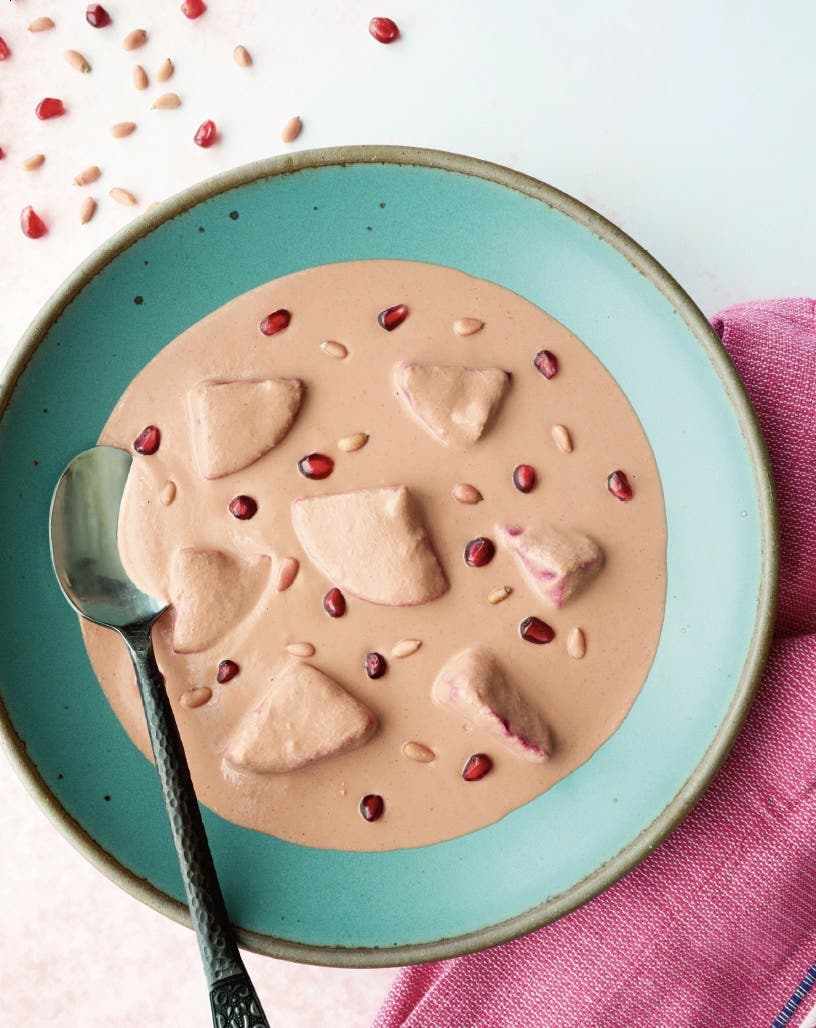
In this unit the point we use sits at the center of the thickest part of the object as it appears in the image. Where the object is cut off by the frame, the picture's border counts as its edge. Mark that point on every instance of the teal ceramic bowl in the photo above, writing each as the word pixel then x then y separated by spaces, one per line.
pixel 228 235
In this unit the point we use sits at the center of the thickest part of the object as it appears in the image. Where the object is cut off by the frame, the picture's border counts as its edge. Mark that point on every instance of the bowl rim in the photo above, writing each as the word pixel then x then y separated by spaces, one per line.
pixel 692 789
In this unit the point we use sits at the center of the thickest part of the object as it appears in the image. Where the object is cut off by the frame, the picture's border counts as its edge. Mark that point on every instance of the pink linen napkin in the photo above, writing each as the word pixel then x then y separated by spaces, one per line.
pixel 718 926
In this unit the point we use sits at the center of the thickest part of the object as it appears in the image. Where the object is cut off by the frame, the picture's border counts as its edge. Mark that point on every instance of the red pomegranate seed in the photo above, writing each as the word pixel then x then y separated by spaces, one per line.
pixel 50 107
pixel 96 15
pixel 2 153
pixel 193 9
pixel 547 363
pixel 375 665
pixel 5 53
pixel 275 322
pixel 334 603
pixel 316 466
pixel 524 478
pixel 384 30
pixel 243 507
pixel 392 317
pixel 476 767
pixel 147 441
pixel 372 807
pixel 206 134
pixel 32 224
pixel 618 485
pixel 227 670
pixel 479 551
pixel 534 630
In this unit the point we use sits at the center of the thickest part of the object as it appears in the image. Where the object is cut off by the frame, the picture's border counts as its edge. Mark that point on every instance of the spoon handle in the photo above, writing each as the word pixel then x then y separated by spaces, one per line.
pixel 232 996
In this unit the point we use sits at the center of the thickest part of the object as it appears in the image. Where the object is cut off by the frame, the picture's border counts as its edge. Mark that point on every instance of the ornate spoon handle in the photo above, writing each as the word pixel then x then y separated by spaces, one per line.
pixel 232 996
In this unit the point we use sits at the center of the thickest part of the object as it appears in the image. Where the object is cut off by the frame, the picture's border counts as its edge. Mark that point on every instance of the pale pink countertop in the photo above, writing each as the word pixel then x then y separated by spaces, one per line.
pixel 640 113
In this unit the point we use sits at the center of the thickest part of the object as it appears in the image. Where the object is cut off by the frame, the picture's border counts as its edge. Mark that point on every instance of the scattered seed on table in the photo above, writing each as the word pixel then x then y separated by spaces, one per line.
pixel 5 53
pixel 50 107
pixel 127 199
pixel 88 175
pixel 301 649
pixel 166 102
pixel 140 79
pixel 41 25
pixel 206 134
pixel 122 129
pixel 197 697
pixel 405 647
pixel 87 210
pixel 287 573
pixel 135 39
pixel 33 162
pixel 77 61
pixel 576 643
pixel 384 30
pixel 166 69
pixel 193 9
pixel 242 57
pixel 291 130
pixel 97 16
pixel 463 492
pixel 32 224
pixel 417 752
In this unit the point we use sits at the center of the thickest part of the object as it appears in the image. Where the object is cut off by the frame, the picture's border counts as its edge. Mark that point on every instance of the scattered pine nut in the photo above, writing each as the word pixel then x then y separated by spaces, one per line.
pixel 405 647
pixel 77 61
pixel 84 178
pixel 140 79
pixel 166 69
pixel 41 25
pixel 133 40
pixel 87 210
pixel 291 130
pixel 563 440
pixel 467 326
pixel 576 643
pixel 166 102
pixel 334 349
pixel 498 595
pixel 168 493
pixel 302 649
pixel 122 129
pixel 350 443
pixel 33 162
pixel 193 698
pixel 288 573
pixel 417 752
pixel 241 57
pixel 123 197
pixel 465 493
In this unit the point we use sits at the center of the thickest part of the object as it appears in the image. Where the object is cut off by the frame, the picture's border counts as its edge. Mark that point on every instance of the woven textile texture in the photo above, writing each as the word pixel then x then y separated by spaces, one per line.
pixel 717 928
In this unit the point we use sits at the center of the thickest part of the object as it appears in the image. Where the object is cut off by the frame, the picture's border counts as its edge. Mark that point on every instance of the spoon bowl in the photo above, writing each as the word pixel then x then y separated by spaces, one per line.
pixel 84 548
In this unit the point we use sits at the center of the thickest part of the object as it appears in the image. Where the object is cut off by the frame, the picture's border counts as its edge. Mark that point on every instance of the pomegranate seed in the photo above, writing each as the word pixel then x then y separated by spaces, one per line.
pixel 334 603
pixel 5 53
pixel 476 767
pixel 392 317
pixel 375 665
pixel 534 630
pixel 524 478
pixel 96 15
pixel 243 507
pixel 547 363
pixel 316 466
pixel 275 322
pixel 193 9
pixel 479 551
pixel 32 224
pixel 50 107
pixel 372 807
pixel 227 670
pixel 2 153
pixel 618 485
pixel 384 30
pixel 206 134
pixel 147 441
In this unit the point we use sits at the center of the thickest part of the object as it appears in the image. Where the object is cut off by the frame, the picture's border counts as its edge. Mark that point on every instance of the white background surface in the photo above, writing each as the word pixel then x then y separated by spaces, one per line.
pixel 690 125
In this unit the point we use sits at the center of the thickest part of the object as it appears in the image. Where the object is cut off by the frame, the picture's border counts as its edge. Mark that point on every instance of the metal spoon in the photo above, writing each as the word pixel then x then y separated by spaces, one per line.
pixel 84 549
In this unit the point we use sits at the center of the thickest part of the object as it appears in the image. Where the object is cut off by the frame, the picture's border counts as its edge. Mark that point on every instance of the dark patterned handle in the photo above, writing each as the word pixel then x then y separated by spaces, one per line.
pixel 223 967
pixel 235 1004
